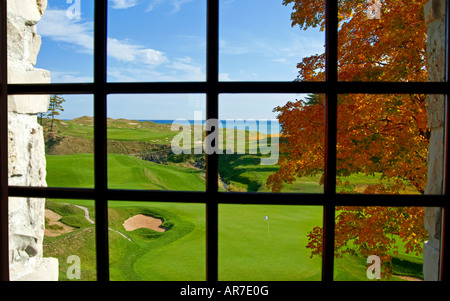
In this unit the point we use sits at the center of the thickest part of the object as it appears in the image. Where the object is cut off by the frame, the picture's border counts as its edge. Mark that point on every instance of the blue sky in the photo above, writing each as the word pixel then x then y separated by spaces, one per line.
pixel 165 40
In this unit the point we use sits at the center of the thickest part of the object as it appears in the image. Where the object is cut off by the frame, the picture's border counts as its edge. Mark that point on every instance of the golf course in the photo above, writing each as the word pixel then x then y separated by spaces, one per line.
pixel 166 241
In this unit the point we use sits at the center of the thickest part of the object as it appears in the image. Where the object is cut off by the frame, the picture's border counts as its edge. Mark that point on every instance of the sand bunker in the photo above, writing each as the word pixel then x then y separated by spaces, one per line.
pixel 55 227
pixel 143 221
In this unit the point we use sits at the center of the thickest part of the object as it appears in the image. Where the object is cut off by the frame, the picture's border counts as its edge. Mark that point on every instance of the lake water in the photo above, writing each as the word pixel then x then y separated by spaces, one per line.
pixel 265 127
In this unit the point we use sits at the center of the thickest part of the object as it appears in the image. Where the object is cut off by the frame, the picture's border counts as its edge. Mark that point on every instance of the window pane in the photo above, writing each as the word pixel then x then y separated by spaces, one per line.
pixel 262 40
pixel 267 243
pixel 157 241
pixel 392 41
pixel 156 41
pixel 390 143
pixel 387 243
pixel 152 142
pixel 51 140
pixel 50 42
pixel 271 142
pixel 52 239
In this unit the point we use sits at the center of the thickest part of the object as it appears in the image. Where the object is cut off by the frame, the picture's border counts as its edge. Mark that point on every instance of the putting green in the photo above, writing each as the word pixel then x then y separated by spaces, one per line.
pixel 254 248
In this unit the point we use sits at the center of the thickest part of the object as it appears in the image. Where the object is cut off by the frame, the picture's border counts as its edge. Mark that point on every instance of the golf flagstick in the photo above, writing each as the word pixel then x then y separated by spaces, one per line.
pixel 268 224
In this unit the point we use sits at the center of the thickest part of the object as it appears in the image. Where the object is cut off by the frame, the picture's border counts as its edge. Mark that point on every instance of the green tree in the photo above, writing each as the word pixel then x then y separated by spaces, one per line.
pixel 54 108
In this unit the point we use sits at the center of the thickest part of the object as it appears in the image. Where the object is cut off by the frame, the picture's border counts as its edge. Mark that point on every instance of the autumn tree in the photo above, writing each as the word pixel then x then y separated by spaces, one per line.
pixel 386 135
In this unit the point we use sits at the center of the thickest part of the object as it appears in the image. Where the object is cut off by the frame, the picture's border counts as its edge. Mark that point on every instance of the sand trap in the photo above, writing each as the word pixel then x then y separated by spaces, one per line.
pixel 143 221
pixel 53 219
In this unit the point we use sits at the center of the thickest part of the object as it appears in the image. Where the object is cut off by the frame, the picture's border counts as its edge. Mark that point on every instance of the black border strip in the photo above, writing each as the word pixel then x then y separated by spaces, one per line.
pixel 4 232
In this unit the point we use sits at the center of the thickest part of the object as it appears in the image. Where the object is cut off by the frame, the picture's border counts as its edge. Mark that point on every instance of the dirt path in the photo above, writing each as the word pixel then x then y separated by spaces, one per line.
pixel 88 218
pixel 409 278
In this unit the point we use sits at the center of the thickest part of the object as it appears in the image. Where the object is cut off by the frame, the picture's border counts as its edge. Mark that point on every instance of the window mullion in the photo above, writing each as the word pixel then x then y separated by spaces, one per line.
pixel 212 159
pixel 100 151
pixel 331 69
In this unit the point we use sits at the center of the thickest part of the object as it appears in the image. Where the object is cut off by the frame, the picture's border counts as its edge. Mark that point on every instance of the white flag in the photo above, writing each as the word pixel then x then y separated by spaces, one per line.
pixel 266 217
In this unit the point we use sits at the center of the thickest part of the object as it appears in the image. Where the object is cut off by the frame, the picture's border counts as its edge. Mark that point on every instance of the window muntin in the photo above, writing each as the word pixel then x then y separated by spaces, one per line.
pixel 429 88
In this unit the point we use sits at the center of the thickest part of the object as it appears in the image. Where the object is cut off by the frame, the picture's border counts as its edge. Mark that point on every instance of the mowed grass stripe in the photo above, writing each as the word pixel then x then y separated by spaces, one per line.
pixel 123 172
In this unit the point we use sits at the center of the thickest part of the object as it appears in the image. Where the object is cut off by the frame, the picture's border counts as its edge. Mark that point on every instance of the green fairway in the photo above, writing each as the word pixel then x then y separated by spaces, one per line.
pixel 123 172
pixel 252 248
pixel 133 173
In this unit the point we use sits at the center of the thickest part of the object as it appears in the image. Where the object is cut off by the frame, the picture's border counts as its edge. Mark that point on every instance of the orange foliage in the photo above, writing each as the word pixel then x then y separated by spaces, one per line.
pixel 383 134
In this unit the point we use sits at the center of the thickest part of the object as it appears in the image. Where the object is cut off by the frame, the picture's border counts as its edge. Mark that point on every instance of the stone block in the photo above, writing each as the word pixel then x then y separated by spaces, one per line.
pixel 30 10
pixel 436 50
pixel 435 158
pixel 28 104
pixel 28 76
pixel 435 111
pixel 433 10
pixel 432 222
pixel 431 262
pixel 36 269
pixel 26 151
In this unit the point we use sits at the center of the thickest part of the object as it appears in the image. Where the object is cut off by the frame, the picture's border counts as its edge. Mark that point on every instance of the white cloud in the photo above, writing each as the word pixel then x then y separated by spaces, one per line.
pixel 187 70
pixel 176 5
pixel 179 69
pixel 123 4
pixel 281 60
pixel 153 4
pixel 131 61
pixel 127 52
pixel 224 77
pixel 57 26
pixel 69 77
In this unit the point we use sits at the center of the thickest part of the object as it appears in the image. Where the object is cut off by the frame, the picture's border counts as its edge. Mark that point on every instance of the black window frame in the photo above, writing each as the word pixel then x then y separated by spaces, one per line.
pixel 212 198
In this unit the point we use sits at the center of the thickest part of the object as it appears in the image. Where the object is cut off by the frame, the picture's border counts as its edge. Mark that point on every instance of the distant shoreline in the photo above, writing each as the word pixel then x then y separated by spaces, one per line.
pixel 239 122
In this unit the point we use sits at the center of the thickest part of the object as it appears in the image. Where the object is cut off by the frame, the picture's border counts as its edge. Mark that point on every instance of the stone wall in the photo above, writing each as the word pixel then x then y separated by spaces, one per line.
pixel 26 149
pixel 435 15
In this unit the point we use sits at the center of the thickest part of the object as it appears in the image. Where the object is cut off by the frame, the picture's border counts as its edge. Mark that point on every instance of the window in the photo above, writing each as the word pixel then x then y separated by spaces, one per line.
pixel 217 203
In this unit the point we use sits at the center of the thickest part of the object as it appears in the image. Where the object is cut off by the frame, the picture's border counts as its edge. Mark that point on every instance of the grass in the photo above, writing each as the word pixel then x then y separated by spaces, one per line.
pixel 247 250
pixel 80 242
pixel 177 254
pixel 123 172
pixel 245 173
pixel 250 249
